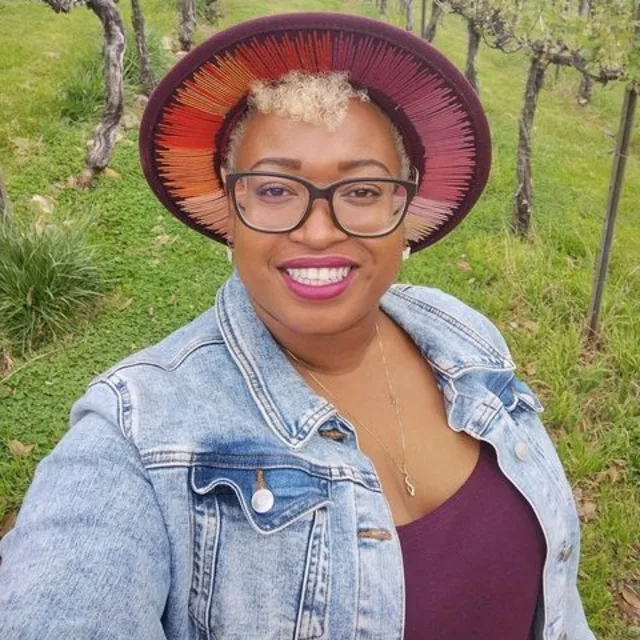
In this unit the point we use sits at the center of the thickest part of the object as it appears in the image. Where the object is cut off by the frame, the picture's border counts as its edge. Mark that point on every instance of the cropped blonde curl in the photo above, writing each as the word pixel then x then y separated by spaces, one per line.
pixel 320 99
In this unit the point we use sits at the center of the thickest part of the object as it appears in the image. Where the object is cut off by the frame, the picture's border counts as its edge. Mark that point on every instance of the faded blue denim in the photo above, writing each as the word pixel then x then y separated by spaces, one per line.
pixel 140 524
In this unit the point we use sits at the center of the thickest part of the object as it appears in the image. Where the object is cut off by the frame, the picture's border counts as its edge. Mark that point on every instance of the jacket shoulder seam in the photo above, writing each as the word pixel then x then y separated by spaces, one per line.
pixel 173 363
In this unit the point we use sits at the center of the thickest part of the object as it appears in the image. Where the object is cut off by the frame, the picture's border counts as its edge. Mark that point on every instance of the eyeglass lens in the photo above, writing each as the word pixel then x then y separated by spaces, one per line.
pixel 366 207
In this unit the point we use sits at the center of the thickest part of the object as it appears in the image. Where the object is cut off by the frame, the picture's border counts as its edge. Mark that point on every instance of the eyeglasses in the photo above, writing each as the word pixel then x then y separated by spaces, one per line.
pixel 279 203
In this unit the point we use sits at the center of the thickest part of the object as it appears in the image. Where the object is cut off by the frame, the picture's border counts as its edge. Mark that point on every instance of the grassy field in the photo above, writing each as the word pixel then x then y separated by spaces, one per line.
pixel 160 275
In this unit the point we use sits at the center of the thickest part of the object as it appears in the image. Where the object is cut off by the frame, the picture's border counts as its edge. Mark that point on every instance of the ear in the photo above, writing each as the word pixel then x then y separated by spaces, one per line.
pixel 231 223
pixel 223 176
pixel 231 227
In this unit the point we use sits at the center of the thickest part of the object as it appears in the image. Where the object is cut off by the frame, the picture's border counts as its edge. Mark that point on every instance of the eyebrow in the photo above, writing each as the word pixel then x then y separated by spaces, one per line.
pixel 287 163
pixel 365 162
pixel 349 165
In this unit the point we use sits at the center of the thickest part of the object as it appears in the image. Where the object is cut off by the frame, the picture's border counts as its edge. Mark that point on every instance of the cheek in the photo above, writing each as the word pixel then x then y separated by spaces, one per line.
pixel 254 253
pixel 388 254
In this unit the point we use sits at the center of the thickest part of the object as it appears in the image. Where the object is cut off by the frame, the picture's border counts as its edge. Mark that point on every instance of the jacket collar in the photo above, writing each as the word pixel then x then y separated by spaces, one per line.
pixel 452 345
pixel 292 410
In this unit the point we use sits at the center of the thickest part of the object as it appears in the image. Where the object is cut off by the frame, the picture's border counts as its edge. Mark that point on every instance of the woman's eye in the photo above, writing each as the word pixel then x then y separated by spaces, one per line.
pixel 273 191
pixel 361 192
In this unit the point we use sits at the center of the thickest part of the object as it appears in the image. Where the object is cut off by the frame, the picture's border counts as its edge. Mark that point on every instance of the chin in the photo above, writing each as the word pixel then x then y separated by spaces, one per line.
pixel 322 324
pixel 318 319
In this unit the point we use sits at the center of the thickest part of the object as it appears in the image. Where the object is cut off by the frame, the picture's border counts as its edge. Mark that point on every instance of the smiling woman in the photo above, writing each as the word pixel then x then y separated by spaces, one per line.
pixel 323 454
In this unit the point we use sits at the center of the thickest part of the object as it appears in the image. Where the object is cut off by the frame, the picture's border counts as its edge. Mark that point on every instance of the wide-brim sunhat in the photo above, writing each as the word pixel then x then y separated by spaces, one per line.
pixel 186 125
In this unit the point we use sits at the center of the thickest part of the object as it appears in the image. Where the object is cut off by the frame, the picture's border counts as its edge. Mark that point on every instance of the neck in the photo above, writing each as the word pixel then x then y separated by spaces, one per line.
pixel 334 353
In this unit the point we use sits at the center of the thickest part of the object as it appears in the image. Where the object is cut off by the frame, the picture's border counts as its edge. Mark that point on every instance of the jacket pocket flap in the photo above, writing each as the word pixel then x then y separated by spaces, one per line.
pixel 270 497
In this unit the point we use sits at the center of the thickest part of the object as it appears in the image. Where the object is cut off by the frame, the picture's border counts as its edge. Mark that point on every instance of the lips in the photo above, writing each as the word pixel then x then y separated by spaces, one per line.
pixel 307 262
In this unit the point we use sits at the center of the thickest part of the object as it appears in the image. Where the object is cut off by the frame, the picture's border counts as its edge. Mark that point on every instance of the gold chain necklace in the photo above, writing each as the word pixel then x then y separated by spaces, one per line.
pixel 393 398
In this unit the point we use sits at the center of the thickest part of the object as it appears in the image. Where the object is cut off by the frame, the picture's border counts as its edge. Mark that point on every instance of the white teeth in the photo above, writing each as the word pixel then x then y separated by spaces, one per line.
pixel 318 277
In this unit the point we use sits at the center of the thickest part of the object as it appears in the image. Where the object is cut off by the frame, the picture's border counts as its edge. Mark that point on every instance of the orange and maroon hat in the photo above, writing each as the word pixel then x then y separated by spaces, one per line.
pixel 186 125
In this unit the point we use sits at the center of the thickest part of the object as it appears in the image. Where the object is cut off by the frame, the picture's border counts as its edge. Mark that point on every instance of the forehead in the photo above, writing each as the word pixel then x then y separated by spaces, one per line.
pixel 364 133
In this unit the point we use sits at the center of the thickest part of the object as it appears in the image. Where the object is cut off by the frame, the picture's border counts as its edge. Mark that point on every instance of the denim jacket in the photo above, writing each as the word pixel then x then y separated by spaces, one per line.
pixel 205 491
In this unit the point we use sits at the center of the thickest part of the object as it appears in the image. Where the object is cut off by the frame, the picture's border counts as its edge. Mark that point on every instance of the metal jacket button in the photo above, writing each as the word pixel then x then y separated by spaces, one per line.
pixel 262 501
pixel 522 451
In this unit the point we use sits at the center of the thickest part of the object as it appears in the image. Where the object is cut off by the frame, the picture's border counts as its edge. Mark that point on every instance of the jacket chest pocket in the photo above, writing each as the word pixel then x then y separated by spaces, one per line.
pixel 260 553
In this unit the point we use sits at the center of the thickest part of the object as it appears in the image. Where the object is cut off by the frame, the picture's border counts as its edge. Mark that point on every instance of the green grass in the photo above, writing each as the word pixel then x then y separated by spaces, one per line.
pixel 47 279
pixel 163 274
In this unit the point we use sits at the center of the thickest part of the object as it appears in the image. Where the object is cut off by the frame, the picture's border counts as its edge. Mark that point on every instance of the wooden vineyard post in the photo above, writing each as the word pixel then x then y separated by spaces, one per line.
pixel 615 189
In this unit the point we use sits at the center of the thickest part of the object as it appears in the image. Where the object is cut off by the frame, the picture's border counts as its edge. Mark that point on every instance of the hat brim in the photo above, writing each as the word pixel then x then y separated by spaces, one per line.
pixel 441 120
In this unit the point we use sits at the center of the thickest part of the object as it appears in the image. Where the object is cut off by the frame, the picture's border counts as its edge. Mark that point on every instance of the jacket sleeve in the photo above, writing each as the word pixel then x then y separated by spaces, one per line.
pixel 89 555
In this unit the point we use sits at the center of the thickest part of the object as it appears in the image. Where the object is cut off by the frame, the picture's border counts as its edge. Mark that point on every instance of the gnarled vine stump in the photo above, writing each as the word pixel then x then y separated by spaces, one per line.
pixel 105 134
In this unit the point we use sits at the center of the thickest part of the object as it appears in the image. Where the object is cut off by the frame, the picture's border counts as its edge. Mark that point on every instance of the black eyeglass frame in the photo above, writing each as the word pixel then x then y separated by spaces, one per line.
pixel 322 193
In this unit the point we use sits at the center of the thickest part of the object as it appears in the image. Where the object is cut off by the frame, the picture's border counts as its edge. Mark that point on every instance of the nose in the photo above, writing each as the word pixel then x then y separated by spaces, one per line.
pixel 319 231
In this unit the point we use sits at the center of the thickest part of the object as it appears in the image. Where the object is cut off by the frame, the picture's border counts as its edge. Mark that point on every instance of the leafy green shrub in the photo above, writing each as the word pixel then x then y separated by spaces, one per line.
pixel 82 93
pixel 47 278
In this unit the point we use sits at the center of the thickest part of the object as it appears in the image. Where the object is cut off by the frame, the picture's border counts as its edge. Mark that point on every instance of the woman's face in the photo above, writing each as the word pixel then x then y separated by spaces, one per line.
pixel 274 267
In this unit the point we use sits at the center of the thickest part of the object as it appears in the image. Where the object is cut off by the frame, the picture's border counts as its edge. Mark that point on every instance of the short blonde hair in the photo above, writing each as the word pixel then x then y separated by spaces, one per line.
pixel 320 99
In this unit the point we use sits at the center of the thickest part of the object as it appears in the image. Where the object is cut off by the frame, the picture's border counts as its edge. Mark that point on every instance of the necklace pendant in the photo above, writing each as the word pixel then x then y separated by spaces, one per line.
pixel 411 490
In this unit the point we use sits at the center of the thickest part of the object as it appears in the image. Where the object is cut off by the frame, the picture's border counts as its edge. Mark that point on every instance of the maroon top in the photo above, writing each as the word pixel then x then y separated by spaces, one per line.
pixel 473 566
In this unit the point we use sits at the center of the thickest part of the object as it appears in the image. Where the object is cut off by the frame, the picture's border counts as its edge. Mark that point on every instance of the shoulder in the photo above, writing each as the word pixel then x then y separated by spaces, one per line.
pixel 159 386
pixel 176 349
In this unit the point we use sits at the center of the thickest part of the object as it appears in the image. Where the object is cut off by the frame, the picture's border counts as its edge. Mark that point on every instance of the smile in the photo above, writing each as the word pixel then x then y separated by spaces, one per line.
pixel 319 276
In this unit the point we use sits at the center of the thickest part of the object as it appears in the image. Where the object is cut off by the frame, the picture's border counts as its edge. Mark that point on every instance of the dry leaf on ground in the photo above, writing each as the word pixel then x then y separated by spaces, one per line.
pixel 530 326
pixel 5 391
pixel 130 120
pixel 19 449
pixel 463 265
pixel 162 240
pixel 44 203
pixel 6 362
pixel 615 472
pixel 141 101
pixel 585 504
pixel 24 148
pixel 8 523
pixel 629 602
pixel 167 43
pixel 20 145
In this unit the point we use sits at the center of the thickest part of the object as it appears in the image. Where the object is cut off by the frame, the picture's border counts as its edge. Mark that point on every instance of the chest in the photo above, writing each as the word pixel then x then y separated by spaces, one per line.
pixel 323 556
pixel 419 459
